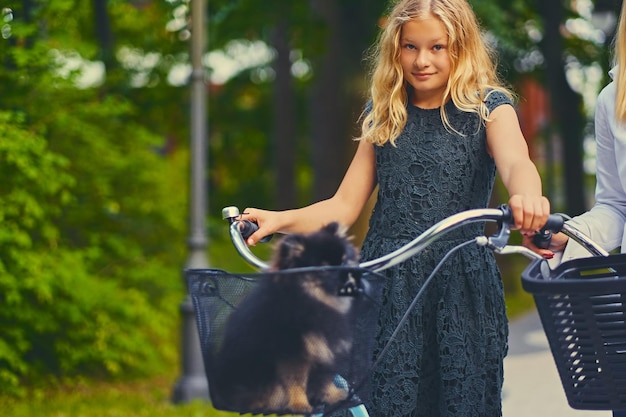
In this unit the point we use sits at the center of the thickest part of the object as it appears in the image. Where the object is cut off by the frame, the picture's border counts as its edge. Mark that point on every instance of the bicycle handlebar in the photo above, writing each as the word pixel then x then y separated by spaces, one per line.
pixel 498 242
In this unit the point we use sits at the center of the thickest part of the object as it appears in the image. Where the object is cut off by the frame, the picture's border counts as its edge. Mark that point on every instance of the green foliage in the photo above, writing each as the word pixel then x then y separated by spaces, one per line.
pixel 83 290
pixel 27 204
pixel 517 29
pixel 93 205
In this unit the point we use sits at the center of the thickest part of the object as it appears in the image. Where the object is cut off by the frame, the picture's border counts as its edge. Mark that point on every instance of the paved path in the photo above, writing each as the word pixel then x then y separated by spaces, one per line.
pixel 531 383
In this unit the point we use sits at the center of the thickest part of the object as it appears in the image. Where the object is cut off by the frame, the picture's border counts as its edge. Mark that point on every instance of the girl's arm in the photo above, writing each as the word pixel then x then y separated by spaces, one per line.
pixel 343 207
pixel 507 146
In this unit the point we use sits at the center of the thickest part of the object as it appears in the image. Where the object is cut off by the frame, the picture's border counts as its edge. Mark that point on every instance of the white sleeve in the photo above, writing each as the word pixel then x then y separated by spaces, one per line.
pixel 604 223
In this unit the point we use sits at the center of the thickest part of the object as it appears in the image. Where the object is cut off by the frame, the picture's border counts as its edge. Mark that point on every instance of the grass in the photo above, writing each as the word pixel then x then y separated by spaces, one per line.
pixel 520 304
pixel 145 398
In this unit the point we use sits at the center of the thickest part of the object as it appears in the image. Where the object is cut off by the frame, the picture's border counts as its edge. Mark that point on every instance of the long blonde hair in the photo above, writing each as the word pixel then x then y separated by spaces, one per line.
pixel 473 73
pixel 619 59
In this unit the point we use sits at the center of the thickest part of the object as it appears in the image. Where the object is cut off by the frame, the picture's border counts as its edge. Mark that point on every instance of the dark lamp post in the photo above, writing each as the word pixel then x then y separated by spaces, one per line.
pixel 193 383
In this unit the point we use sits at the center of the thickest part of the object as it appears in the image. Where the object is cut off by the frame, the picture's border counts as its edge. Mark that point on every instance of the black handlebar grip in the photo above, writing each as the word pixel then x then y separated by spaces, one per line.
pixel 247 228
pixel 555 223
pixel 507 214
pixel 542 238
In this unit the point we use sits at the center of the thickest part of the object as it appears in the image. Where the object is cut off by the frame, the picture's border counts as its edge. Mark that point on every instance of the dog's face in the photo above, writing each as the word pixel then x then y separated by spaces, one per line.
pixel 327 247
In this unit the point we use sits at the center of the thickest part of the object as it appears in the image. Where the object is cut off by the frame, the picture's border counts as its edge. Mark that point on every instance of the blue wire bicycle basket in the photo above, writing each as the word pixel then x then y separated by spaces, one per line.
pixel 582 306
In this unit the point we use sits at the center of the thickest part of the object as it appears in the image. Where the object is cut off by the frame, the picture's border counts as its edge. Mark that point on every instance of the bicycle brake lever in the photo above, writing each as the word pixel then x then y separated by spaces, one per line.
pixel 500 239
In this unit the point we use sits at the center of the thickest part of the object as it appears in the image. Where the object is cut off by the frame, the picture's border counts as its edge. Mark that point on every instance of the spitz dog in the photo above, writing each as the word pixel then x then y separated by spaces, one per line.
pixel 286 341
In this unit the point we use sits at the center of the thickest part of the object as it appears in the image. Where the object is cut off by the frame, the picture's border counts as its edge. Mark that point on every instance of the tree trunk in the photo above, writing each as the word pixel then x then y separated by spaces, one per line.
pixel 565 106
pixel 328 110
pixel 104 34
pixel 284 119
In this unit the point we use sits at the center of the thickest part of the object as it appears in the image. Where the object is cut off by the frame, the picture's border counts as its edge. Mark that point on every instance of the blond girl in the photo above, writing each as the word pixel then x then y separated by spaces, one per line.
pixel 437 128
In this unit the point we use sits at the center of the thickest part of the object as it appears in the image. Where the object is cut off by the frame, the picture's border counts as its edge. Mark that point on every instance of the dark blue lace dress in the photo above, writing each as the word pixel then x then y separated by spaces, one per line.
pixel 448 358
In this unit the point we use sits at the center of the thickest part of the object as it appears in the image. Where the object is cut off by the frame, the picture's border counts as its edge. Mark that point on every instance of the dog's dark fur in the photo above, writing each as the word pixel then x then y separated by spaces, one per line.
pixel 284 343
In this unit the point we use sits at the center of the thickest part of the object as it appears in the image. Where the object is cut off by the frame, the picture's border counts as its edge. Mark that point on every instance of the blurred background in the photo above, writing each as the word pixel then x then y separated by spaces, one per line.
pixel 96 175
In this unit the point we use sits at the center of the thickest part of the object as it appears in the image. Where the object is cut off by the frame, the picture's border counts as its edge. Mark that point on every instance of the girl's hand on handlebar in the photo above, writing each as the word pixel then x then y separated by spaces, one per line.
pixel 557 244
pixel 266 220
pixel 527 240
pixel 530 212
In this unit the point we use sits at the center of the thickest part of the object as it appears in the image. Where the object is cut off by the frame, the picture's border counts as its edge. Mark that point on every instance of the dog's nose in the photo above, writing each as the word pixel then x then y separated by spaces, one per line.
pixel 349 288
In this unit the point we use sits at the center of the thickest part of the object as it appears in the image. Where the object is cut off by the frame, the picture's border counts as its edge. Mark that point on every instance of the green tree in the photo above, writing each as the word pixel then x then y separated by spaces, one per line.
pixel 92 221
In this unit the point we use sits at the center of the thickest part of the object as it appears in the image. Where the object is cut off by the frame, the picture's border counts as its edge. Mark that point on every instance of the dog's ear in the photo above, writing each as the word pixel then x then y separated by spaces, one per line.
pixel 334 228
pixel 289 251
pixel 331 228
pixel 335 238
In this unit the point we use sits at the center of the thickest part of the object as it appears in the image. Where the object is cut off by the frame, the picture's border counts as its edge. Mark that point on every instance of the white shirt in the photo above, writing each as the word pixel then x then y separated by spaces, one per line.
pixel 604 223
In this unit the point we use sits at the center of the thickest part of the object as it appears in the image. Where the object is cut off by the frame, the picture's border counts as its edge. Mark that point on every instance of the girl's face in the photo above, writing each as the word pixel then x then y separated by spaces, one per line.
pixel 425 60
